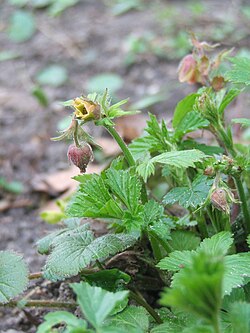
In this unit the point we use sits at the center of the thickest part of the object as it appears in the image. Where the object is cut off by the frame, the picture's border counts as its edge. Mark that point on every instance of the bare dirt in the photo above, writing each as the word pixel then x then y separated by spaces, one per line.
pixel 87 40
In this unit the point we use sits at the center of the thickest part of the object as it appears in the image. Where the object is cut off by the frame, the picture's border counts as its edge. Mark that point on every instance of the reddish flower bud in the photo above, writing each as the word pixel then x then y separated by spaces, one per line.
pixel 80 156
pixel 219 199
pixel 188 69
pixel 209 171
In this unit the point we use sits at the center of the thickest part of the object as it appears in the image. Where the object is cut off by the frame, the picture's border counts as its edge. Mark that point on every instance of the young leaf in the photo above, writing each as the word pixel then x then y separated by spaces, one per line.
pixel 96 303
pixel 133 317
pixel 228 98
pixel 240 73
pixel 94 200
pixel 192 196
pixel 200 288
pixel 125 186
pixel 71 254
pixel 13 275
pixel 192 121
pixel 243 121
pixel 240 317
pixel 145 170
pixel 62 317
pixel 182 108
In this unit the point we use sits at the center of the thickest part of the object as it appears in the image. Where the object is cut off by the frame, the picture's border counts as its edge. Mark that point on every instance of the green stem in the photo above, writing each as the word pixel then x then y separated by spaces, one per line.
pixel 75 136
pixel 140 300
pixel 244 206
pixel 43 304
pixel 122 144
pixel 128 156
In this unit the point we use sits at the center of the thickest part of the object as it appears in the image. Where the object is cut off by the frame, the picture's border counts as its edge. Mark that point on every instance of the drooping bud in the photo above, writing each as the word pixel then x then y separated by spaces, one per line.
pixel 80 156
pixel 219 199
pixel 85 109
pixel 187 69
pixel 209 171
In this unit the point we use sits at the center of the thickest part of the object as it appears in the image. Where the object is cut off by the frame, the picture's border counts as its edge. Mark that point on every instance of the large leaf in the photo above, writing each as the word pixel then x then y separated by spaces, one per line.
pixel 71 254
pixel 97 303
pixel 192 196
pixel 218 244
pixel 125 186
pixel 182 108
pixel 183 240
pixel 131 317
pixel 13 275
pixel 240 73
pixel 94 200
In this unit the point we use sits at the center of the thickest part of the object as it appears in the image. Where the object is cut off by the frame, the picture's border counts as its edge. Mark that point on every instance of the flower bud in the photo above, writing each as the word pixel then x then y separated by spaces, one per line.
pixel 86 109
pixel 219 199
pixel 209 171
pixel 80 156
pixel 188 69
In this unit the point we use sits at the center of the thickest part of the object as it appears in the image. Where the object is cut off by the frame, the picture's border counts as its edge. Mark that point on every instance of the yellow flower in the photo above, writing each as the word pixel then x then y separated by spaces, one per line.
pixel 86 109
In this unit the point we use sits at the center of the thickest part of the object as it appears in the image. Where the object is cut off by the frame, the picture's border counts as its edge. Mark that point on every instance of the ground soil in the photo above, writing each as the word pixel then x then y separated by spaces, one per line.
pixel 88 40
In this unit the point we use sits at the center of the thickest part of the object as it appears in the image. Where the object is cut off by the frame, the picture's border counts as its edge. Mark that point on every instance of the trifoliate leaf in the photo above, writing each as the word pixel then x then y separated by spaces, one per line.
pixel 199 290
pixel 130 318
pixel 192 121
pixel 22 26
pixel 240 73
pixel 125 186
pixel 192 196
pixel 72 254
pixel 62 317
pixel 13 275
pixel 97 303
pixel 182 108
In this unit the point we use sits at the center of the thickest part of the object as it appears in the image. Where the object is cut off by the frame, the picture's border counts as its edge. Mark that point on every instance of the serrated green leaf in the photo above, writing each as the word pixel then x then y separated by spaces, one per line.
pixel 179 159
pixel 71 254
pixel 207 150
pixel 228 98
pixel 61 317
pixel 96 303
pixel 145 170
pixel 125 186
pixel 133 317
pixel 199 288
pixel 237 269
pixel 182 108
pixel 192 121
pixel 93 200
pixel 218 244
pixel 240 73
pixel 13 275
pixel 22 26
pixel 192 196
pixel 183 240
pixel 176 260
pixel 240 317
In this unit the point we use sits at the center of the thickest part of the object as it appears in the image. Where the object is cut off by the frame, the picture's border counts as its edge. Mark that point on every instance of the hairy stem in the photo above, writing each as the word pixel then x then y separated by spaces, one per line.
pixel 75 136
pixel 43 304
pixel 128 156
pixel 140 300
pixel 244 206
